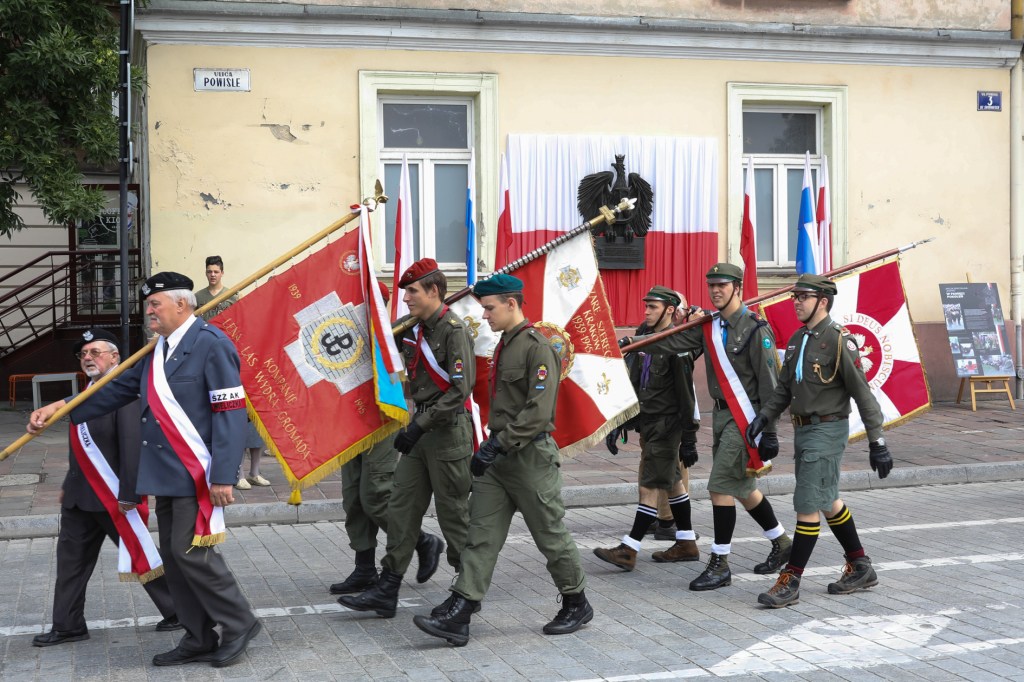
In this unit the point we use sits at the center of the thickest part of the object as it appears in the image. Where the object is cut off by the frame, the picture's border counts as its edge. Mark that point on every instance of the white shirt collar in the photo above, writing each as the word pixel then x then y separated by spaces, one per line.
pixel 174 339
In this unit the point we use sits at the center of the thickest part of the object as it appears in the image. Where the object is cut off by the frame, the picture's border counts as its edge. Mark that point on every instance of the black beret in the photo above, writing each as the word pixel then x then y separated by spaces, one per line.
pixel 91 335
pixel 165 281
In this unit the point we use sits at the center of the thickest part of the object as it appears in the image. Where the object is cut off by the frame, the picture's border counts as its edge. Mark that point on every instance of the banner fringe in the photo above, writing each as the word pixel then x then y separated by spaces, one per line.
pixel 399 414
pixel 570 451
pixel 208 540
pixel 152 574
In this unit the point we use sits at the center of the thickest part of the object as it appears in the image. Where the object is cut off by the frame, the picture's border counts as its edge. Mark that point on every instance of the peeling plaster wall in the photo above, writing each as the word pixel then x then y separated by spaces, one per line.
pixel 923 161
pixel 984 15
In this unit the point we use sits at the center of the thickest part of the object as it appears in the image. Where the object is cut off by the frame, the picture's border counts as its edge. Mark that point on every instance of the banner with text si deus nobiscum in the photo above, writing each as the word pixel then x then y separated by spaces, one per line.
pixel 308 354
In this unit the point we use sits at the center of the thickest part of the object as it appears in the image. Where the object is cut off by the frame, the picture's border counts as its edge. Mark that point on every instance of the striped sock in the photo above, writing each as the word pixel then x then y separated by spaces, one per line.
pixel 803 544
pixel 846 532
pixel 680 507
pixel 645 516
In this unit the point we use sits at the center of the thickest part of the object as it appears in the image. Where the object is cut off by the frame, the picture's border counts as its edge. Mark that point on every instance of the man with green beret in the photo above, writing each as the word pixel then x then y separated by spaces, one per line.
pixel 750 348
pixel 820 374
pixel 436 446
pixel 668 428
pixel 515 469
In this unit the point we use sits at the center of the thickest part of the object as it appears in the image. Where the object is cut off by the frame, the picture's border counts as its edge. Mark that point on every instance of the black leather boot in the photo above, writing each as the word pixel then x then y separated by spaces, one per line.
pixel 443 607
pixel 717 574
pixel 453 626
pixel 362 578
pixel 574 614
pixel 429 549
pixel 382 598
pixel 782 548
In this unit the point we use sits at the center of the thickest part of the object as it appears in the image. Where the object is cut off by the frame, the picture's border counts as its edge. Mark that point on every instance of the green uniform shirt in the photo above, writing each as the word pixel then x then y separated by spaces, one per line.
pixel 526 387
pixel 669 387
pixel 448 337
pixel 203 296
pixel 750 346
pixel 824 390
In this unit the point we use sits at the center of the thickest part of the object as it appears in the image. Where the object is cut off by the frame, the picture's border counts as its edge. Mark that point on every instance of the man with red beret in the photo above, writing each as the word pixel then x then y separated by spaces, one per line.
pixel 436 446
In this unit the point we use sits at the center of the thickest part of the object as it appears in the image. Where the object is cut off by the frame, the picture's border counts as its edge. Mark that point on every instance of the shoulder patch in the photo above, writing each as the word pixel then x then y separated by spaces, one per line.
pixel 767 344
pixel 851 344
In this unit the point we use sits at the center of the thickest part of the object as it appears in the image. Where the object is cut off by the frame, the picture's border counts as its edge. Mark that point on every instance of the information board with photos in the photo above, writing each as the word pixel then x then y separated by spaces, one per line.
pixel 977 330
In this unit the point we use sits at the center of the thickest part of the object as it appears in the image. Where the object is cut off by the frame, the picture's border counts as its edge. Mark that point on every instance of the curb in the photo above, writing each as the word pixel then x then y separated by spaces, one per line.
pixel 41 526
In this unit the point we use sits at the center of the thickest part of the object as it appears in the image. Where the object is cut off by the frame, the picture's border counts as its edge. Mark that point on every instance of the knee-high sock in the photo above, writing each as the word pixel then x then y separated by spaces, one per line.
pixel 645 516
pixel 803 544
pixel 725 522
pixel 846 532
pixel 764 516
pixel 680 507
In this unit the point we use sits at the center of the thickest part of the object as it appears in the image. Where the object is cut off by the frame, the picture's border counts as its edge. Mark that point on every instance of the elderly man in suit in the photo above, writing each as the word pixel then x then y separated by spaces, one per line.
pixel 84 519
pixel 193 430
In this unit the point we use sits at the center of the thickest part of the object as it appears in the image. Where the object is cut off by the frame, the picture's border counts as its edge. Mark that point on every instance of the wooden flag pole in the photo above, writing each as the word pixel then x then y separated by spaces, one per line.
pixel 379 198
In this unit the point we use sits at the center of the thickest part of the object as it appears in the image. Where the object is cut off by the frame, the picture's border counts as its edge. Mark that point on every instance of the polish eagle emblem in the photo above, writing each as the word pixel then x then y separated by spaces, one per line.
pixel 865 363
pixel 608 188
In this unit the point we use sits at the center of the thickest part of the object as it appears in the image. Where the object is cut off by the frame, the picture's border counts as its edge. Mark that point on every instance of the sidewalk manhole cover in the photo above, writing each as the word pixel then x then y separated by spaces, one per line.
pixel 19 479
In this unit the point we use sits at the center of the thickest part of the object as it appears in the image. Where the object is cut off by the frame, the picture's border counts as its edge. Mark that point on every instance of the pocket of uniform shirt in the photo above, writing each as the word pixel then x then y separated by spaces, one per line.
pixel 513 373
pixel 181 379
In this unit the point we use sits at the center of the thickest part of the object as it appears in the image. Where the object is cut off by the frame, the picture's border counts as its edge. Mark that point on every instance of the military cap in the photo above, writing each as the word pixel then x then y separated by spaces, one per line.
pixel 90 335
pixel 663 294
pixel 499 284
pixel 384 291
pixel 818 284
pixel 165 281
pixel 724 272
pixel 417 271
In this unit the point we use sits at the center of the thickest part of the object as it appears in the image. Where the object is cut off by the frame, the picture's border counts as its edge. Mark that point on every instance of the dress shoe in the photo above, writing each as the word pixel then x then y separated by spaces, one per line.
pixel 786 591
pixel 169 624
pixel 383 598
pixel 622 556
pixel 857 574
pixel 429 549
pixel 683 550
pixel 60 636
pixel 574 614
pixel 453 626
pixel 362 578
pixel 229 651
pixel 443 607
pixel 782 548
pixel 179 656
pixel 715 575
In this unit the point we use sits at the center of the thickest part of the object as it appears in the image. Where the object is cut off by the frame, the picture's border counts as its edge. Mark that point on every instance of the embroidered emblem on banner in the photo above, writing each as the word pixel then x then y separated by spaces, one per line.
pixel 332 344
pixel 560 341
pixel 474 326
pixel 604 385
pixel 568 277
pixel 542 372
pixel 349 263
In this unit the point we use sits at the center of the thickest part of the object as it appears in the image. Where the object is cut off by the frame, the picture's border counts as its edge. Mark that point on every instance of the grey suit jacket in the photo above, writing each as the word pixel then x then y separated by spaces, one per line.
pixel 119 438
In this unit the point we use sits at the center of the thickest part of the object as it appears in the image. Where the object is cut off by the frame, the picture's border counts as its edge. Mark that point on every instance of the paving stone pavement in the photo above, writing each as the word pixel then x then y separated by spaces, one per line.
pixel 950 606
pixel 949 434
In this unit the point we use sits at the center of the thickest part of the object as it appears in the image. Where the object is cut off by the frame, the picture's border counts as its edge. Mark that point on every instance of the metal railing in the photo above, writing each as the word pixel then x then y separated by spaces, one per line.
pixel 74 289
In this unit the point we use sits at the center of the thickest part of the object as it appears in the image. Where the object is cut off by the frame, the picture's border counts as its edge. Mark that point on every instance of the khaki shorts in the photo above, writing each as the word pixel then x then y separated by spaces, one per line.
pixel 819 456
pixel 729 469
pixel 661 453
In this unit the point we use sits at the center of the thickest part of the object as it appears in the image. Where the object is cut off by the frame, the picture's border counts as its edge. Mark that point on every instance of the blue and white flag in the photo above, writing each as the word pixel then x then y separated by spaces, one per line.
pixel 808 253
pixel 470 222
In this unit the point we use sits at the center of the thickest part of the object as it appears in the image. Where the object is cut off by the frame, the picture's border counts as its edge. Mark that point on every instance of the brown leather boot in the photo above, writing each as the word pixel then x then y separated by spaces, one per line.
pixel 622 556
pixel 683 550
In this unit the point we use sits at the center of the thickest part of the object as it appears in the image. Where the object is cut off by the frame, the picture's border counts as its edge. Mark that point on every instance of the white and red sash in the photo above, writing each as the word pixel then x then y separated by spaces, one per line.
pixel 188 445
pixel 444 382
pixel 138 559
pixel 735 395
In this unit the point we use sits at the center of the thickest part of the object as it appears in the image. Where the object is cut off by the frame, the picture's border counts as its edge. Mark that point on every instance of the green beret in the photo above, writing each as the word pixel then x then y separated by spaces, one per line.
pixel 724 272
pixel 663 294
pixel 499 284
pixel 818 284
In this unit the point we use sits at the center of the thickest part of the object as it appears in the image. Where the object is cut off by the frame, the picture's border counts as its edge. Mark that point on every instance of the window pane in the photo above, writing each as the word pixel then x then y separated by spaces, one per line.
pixel 764 196
pixel 450 185
pixel 771 133
pixel 392 179
pixel 435 126
pixel 794 183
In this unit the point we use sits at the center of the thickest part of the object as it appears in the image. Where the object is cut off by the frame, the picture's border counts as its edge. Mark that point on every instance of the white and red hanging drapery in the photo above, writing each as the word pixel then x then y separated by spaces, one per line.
pixel 544 173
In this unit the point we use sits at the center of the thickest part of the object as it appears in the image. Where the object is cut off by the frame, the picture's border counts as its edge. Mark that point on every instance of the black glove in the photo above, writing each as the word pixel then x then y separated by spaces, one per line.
pixel 881 460
pixel 688 453
pixel 755 427
pixel 407 438
pixel 624 341
pixel 611 440
pixel 768 449
pixel 485 456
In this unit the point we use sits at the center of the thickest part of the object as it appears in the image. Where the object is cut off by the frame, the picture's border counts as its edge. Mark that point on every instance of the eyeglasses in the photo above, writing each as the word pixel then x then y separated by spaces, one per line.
pixel 92 353
pixel 802 297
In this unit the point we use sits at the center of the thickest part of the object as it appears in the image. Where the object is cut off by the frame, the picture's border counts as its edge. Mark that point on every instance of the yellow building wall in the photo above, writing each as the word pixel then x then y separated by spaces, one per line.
pixel 922 161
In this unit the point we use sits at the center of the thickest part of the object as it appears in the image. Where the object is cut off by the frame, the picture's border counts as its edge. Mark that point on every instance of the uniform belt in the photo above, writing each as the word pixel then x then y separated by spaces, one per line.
pixel 817 419
pixel 426 406
pixel 720 404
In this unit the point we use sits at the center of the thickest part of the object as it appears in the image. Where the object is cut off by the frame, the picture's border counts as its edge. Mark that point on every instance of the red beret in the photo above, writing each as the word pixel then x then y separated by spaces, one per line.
pixel 417 271
pixel 384 291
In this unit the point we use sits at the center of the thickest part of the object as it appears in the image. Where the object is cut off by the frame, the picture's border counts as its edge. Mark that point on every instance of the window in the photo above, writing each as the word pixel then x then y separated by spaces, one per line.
pixel 777 139
pixel 435 135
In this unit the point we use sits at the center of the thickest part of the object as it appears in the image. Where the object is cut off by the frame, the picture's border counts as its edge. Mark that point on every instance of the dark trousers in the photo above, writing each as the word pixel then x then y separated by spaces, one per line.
pixel 78 548
pixel 203 587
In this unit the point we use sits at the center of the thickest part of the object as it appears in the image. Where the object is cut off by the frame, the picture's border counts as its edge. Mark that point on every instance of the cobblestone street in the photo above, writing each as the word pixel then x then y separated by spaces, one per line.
pixel 949 607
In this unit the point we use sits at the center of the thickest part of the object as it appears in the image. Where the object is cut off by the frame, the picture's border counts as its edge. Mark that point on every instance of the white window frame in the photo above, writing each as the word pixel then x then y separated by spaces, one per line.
pixel 482 88
pixel 833 100
pixel 779 164
pixel 426 159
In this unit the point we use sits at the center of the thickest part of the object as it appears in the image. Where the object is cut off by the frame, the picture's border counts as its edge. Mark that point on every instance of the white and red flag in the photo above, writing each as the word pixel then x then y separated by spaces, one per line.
pixel 404 241
pixel 564 298
pixel 872 305
pixel 748 237
pixel 824 219
pixel 501 258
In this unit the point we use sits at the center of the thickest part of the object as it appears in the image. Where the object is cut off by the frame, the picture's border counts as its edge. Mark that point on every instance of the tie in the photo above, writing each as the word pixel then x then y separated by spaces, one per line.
pixel 800 360
pixel 645 372
pixel 494 367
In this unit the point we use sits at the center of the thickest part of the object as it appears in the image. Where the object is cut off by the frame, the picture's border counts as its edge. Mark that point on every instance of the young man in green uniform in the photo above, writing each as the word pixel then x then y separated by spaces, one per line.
pixel 821 372
pixel 366 489
pixel 664 385
pixel 750 348
pixel 437 444
pixel 516 469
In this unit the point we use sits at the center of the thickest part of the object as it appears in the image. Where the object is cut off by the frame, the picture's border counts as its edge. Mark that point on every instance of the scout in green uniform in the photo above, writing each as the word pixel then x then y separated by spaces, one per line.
pixel 664 386
pixel 820 374
pixel 750 347
pixel 516 469
pixel 436 446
